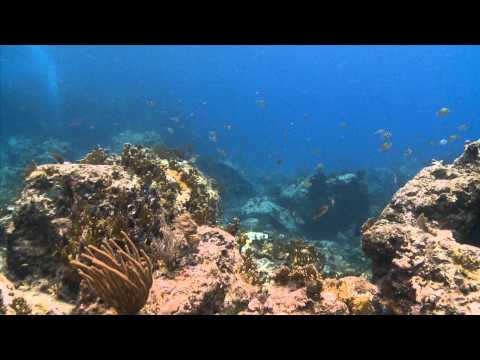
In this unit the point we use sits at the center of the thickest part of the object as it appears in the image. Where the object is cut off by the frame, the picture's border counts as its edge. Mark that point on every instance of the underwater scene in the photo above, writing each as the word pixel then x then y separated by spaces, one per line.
pixel 239 180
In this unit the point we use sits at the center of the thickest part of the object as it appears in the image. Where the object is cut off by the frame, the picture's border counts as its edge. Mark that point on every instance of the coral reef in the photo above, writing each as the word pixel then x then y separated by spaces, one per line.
pixel 65 207
pixel 69 212
pixel 216 279
pixel 19 299
pixel 343 259
pixel 265 254
pixel 424 245
pixel 209 283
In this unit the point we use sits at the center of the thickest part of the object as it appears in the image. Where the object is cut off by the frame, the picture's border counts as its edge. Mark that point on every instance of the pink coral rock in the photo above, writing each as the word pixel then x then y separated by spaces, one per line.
pixel 425 245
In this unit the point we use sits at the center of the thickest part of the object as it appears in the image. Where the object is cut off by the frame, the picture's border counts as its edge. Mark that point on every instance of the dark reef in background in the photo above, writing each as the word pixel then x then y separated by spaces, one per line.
pixel 347 199
pixel 327 204
pixel 234 187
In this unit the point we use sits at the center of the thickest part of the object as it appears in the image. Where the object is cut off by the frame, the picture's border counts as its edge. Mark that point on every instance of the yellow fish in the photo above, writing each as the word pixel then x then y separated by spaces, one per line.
pixel 386 146
pixel 443 112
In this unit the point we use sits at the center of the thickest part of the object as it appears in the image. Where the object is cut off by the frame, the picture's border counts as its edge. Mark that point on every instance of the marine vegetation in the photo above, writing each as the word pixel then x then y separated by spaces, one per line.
pixel 122 278
pixel 264 258
pixel 20 306
pixel 166 249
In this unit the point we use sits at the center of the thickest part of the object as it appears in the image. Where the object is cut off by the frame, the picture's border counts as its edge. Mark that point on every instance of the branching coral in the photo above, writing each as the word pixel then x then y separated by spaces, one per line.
pixel 120 277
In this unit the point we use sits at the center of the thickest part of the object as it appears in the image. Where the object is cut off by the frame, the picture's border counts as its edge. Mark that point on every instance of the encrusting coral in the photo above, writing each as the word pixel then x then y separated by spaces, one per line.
pixel 121 278
pixel 424 245
pixel 63 208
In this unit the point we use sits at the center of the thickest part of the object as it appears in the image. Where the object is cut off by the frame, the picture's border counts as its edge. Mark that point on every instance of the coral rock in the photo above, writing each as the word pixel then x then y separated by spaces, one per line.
pixel 64 207
pixel 425 244
pixel 210 283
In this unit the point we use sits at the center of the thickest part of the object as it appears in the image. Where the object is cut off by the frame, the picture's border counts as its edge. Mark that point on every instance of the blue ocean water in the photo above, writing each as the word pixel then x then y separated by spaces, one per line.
pixel 267 109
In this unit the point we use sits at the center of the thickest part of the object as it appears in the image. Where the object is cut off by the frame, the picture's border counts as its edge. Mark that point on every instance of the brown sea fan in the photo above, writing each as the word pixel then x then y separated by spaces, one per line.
pixel 122 278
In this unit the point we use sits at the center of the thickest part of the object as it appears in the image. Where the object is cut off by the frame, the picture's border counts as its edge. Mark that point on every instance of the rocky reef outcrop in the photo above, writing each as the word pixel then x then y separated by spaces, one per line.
pixel 65 207
pixel 219 278
pixel 344 198
pixel 320 206
pixel 262 213
pixel 425 245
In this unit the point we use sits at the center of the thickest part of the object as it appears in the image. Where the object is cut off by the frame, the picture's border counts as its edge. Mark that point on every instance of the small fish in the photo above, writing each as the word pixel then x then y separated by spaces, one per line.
pixel 204 103
pixel 332 202
pixel 386 135
pixel 212 136
pixel 76 122
pixel 151 103
pixel 306 115
pixel 227 127
pixel 453 138
pixel 379 132
pixel 321 212
pixel 92 127
pixel 408 152
pixel 57 157
pixel 343 124
pixel 279 162
pixel 443 112
pixel 386 146
pixel 463 127
pixel 316 152
pixel 262 104
pixel 443 142
pixel 306 183
pixel 175 119
pixel 222 152
pixel 170 130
